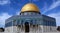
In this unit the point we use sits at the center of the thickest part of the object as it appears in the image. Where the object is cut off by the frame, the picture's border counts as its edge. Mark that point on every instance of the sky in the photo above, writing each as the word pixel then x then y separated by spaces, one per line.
pixel 9 8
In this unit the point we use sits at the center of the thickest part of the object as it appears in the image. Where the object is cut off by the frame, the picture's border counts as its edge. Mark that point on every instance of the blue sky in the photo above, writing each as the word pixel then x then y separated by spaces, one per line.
pixel 9 8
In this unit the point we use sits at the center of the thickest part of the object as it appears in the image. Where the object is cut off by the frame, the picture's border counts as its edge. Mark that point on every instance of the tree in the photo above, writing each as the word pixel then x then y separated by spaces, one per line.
pixel 58 28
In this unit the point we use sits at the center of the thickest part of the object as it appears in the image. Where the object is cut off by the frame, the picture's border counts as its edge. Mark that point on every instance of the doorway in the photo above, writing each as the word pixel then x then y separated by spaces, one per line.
pixel 26 27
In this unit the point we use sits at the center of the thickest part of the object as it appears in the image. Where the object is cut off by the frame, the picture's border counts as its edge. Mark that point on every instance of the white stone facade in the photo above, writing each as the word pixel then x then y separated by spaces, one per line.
pixel 39 29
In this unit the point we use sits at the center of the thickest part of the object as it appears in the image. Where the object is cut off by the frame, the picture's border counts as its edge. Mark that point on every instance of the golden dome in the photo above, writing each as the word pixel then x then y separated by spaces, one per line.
pixel 30 8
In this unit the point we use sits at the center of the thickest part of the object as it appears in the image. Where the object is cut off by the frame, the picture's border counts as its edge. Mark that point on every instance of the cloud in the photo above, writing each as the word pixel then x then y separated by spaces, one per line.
pixel 4 2
pixel 3 17
pixel 45 7
pixel 52 6
pixel 57 16
pixel 17 13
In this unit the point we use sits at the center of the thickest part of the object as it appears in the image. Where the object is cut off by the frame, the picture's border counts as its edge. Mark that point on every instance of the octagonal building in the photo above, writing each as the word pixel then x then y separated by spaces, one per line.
pixel 30 20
